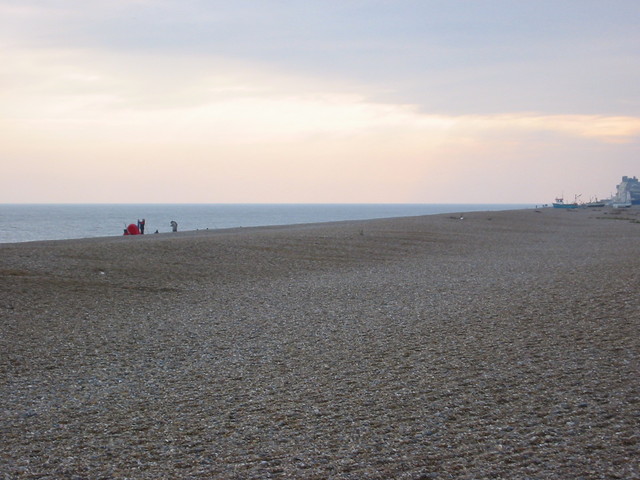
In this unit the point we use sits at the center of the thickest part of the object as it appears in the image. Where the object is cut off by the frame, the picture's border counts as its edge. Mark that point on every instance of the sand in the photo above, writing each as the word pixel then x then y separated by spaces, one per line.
pixel 500 345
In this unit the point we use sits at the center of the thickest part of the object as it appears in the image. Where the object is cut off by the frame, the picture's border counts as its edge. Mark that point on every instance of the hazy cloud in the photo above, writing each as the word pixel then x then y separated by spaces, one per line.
pixel 291 101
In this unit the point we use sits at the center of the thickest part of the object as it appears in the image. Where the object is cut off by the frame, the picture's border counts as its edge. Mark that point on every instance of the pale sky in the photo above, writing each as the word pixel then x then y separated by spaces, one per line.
pixel 317 101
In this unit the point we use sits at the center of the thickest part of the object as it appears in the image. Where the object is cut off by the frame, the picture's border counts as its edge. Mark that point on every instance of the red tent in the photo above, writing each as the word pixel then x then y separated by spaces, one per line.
pixel 132 229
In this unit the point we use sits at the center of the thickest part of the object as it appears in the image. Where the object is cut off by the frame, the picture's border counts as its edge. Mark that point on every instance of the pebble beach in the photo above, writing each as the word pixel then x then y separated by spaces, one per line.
pixel 476 345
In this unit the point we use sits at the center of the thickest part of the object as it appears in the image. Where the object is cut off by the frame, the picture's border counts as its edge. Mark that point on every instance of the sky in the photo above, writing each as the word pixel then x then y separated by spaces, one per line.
pixel 317 101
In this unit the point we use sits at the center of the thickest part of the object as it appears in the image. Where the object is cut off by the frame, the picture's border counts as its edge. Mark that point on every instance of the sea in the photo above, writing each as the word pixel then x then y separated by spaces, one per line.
pixel 35 222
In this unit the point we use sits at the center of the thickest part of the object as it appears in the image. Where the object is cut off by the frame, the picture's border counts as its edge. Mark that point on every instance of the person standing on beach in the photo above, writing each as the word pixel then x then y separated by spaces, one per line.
pixel 141 226
pixel 174 225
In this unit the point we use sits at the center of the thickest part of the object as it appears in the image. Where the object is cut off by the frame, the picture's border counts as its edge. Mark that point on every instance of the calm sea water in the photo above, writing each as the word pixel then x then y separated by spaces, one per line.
pixel 29 222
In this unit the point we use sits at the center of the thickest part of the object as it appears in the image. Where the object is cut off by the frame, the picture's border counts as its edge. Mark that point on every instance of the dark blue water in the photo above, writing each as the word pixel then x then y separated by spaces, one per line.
pixel 28 222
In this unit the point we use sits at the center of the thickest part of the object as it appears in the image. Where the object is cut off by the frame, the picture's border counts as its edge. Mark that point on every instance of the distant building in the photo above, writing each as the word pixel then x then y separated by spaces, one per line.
pixel 628 191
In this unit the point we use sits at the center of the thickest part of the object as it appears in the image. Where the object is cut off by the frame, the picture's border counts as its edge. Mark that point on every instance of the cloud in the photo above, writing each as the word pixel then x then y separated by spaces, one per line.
pixel 603 128
pixel 485 58
pixel 201 99
pixel 210 128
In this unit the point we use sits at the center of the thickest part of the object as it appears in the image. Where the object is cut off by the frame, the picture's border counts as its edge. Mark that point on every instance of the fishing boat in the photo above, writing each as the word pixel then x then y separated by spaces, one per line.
pixel 595 203
pixel 559 203
pixel 621 204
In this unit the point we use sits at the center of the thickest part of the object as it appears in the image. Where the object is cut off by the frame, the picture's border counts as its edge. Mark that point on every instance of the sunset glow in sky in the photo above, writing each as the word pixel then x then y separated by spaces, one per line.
pixel 379 101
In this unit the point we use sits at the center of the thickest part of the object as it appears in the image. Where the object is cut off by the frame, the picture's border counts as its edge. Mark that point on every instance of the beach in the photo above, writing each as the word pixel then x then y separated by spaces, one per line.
pixel 465 346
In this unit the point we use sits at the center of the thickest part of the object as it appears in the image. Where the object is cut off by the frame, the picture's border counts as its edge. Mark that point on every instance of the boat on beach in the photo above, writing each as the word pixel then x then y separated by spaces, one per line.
pixel 628 194
pixel 559 203
pixel 621 204
pixel 595 203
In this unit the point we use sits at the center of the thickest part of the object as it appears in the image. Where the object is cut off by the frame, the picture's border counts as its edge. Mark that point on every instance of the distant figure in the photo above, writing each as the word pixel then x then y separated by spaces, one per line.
pixel 141 226
pixel 174 225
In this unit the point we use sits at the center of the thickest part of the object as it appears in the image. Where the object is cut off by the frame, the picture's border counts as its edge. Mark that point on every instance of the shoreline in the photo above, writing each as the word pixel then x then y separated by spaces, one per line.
pixel 500 345
pixel 104 221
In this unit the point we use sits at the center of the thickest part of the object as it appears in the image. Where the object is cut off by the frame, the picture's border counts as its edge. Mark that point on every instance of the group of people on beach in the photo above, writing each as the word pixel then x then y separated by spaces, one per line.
pixel 138 229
